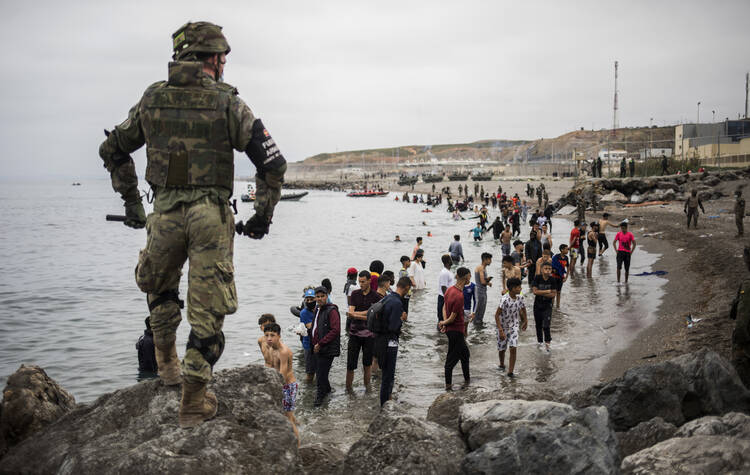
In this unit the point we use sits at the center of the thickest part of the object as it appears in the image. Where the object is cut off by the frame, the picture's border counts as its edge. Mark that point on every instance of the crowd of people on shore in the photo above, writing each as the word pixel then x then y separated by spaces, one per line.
pixel 377 300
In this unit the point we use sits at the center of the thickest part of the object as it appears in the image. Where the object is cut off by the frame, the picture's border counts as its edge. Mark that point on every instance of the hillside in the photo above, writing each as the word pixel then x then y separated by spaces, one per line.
pixel 587 141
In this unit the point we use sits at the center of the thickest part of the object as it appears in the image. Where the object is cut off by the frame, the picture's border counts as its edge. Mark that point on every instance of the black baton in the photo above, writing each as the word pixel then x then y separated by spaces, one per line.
pixel 116 217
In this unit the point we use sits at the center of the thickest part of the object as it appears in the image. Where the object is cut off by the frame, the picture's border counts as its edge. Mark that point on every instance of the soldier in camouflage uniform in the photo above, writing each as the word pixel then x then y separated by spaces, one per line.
pixel 739 212
pixel 191 124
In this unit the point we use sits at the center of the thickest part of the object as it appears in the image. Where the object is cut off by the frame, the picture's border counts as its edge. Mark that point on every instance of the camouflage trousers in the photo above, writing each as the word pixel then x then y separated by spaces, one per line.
pixel 194 232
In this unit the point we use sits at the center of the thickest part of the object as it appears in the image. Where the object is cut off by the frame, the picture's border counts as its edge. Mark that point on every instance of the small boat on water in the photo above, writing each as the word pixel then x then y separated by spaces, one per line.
pixel 288 197
pixel 366 194
pixel 250 195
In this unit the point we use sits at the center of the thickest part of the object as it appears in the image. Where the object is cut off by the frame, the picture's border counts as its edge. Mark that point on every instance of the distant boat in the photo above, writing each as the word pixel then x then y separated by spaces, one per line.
pixel 432 178
pixel 288 197
pixel 366 194
pixel 76 184
pixel 405 180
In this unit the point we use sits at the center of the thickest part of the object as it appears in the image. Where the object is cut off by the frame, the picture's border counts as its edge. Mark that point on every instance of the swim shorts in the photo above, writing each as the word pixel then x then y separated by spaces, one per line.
pixel 506 249
pixel 573 253
pixel 289 401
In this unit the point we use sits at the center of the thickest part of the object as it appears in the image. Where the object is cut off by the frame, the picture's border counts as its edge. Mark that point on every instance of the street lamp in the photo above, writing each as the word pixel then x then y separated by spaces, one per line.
pixel 713 116
pixel 699 113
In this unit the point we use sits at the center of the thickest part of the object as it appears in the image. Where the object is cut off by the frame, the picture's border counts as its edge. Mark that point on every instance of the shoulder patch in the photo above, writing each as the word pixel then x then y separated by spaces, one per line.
pixel 228 88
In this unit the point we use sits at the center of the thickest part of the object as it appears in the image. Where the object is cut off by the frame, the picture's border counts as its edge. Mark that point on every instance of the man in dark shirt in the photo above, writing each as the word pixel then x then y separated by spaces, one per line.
pixel 544 288
pixel 360 338
pixel 386 342
pixel 326 340
pixel 454 326
pixel 146 351
pixel 532 251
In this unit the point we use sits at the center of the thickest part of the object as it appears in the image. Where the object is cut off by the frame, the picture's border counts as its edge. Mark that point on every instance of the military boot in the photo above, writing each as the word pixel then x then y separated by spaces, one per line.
pixel 167 361
pixel 197 404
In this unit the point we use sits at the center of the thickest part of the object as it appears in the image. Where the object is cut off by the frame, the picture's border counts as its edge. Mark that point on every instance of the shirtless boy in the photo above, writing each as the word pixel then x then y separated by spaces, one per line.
pixel 264 320
pixel 546 257
pixel 279 357
pixel 510 271
pixel 505 238
pixel 602 237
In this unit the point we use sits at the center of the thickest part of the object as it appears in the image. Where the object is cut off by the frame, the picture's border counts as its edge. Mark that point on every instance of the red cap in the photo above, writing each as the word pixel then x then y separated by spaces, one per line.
pixel 351 271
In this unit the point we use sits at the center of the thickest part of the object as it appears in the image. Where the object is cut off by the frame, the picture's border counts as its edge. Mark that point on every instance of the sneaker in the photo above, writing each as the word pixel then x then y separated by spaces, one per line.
pixel 540 345
pixel 511 375
pixel 501 367
pixel 547 347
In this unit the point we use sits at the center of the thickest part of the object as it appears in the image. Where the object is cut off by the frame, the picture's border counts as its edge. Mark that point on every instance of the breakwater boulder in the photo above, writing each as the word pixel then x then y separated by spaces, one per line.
pixel 515 436
pixel 399 443
pixel 31 401
pixel 706 445
pixel 135 430
pixel 644 435
pixel 657 188
pixel 678 390
pixel 445 409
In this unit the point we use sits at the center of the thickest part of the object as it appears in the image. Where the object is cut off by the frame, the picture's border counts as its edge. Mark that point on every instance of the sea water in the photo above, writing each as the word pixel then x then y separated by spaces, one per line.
pixel 69 302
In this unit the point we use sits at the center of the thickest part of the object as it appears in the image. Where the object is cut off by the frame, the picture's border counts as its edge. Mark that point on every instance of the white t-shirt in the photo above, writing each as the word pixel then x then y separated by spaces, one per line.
pixel 417 272
pixel 445 280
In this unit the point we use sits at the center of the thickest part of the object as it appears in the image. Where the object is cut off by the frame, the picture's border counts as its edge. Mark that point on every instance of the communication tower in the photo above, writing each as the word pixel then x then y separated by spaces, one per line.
pixel 615 123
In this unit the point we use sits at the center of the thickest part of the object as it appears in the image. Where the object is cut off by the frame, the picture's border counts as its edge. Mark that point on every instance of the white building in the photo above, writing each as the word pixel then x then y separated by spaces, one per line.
pixel 613 155
pixel 645 153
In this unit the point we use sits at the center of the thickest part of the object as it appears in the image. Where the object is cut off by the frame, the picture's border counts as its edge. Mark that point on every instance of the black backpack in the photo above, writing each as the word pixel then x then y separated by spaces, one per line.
pixel 375 321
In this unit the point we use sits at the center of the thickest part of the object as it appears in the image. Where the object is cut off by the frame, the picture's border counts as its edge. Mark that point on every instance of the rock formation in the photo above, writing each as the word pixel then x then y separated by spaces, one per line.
pixel 31 401
pixel 399 443
pixel 135 430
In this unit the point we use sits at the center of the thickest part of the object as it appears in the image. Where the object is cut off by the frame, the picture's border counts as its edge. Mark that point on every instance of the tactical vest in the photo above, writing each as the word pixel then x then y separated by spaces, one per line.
pixel 185 126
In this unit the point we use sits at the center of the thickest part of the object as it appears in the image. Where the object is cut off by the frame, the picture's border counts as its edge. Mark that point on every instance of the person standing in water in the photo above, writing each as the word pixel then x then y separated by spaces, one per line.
pixel 483 281
pixel 454 326
pixel 602 237
pixel 591 240
pixel 507 316
pixel 625 242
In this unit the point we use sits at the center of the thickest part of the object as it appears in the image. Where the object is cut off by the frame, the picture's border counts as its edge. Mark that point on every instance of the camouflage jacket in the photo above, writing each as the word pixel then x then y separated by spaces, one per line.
pixel 213 133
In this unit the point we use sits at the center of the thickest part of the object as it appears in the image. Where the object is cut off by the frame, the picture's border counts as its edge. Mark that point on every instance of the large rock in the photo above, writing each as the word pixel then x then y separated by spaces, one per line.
pixel 135 430
pixel 612 198
pixel 537 437
pixel 399 443
pixel 644 435
pixel 735 424
pixel 701 454
pixel 678 390
pixel 445 409
pixel 321 459
pixel 31 401
pixel 711 180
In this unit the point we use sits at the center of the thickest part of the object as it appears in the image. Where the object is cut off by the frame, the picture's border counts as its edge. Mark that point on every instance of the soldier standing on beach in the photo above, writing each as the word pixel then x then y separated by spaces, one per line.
pixel 191 124
pixel 632 167
pixel 599 166
pixel 739 212
pixel 664 165
pixel 691 208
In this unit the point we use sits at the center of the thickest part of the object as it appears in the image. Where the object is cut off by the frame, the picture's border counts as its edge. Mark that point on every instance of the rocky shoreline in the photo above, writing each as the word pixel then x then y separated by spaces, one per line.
pixel 641 422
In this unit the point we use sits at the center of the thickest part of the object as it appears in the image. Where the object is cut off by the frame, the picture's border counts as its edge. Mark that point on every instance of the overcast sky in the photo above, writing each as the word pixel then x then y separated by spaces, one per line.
pixel 344 75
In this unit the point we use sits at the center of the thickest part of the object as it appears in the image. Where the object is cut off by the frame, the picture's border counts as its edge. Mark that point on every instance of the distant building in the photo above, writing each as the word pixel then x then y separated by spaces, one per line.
pixel 614 155
pixel 645 153
pixel 717 138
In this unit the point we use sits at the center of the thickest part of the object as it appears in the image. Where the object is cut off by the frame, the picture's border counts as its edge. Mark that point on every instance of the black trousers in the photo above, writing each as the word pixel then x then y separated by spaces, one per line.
pixel 441 302
pixel 457 351
pixel 532 272
pixel 321 375
pixel 542 320
pixel 387 360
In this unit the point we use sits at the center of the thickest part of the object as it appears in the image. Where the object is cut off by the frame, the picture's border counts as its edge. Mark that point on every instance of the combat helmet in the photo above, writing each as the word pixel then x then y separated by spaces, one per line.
pixel 199 37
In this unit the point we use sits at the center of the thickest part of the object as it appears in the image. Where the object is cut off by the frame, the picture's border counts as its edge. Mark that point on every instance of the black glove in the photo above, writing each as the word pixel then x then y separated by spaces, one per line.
pixel 256 227
pixel 135 216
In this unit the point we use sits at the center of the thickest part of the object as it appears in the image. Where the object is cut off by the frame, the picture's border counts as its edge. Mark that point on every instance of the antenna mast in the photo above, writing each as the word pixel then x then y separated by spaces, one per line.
pixel 615 124
pixel 747 89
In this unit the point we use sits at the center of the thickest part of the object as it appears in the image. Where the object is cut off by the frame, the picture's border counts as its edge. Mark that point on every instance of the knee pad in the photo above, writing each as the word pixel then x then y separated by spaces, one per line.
pixel 203 345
